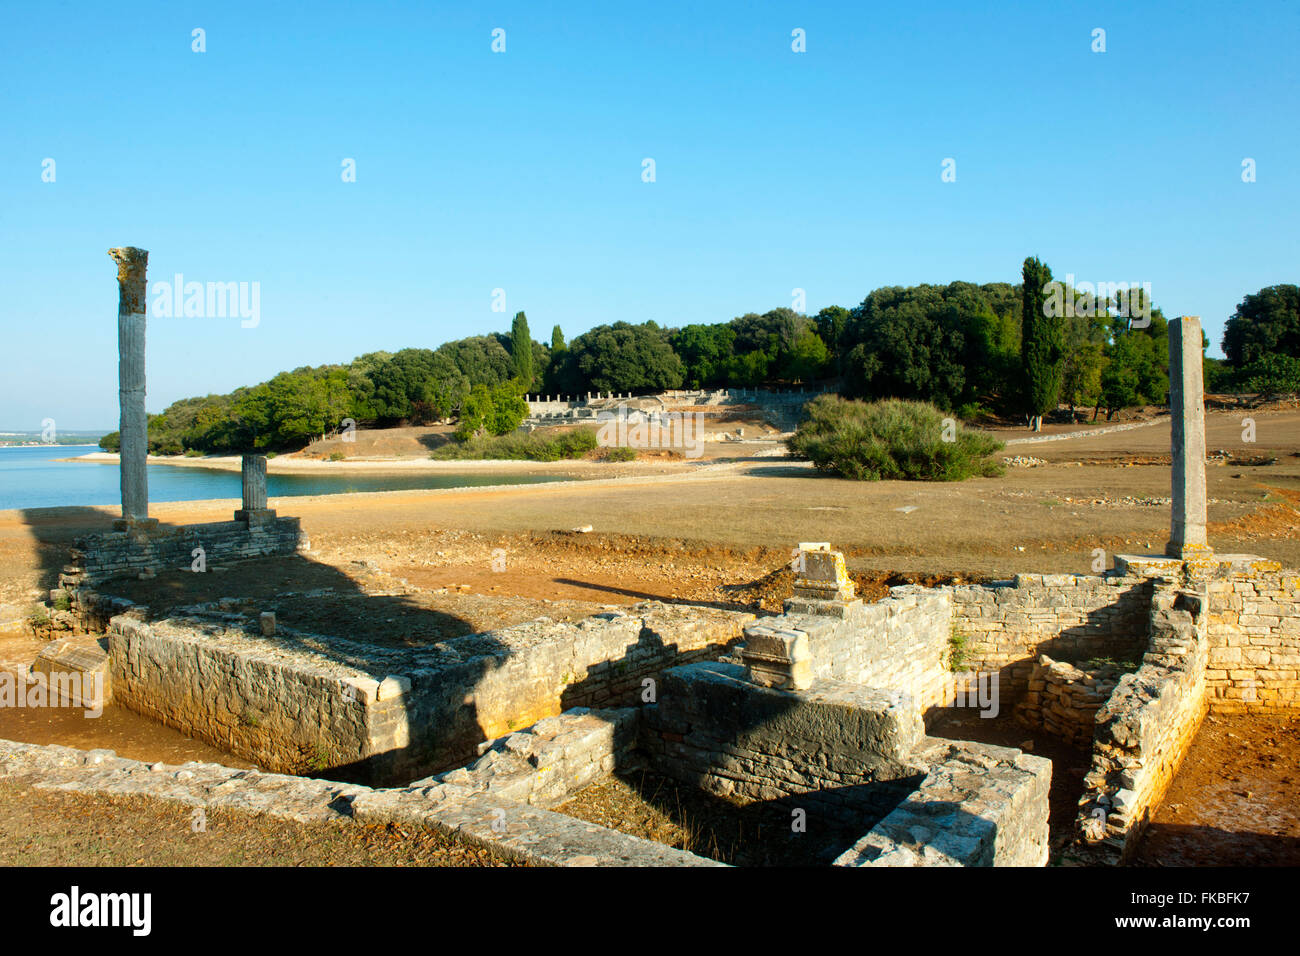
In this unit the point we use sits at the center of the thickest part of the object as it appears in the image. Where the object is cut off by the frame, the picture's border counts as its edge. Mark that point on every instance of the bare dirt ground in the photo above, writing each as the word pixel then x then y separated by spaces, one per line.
pixel 54 828
pixel 1233 801
pixel 720 533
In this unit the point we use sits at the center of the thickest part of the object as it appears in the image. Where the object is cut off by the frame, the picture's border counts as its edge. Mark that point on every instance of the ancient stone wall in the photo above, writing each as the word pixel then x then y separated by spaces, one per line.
pixel 841 751
pixel 545 764
pixel 289 710
pixel 1254 635
pixel 899 642
pixel 1064 699
pixel 511 829
pixel 296 702
pixel 1004 627
pixel 110 554
pixel 979 805
pixel 1146 726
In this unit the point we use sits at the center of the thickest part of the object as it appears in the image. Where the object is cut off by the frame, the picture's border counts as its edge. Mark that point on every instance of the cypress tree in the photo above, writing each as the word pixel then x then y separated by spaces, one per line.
pixel 521 350
pixel 1042 345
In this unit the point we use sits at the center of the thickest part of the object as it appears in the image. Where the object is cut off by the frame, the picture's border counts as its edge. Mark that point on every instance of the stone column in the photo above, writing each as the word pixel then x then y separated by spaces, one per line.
pixel 133 423
pixel 253 472
pixel 1187 409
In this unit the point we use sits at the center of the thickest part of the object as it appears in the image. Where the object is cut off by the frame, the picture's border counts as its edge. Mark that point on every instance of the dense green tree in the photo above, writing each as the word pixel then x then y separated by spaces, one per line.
pixel 1271 375
pixel 831 323
pixel 807 360
pixel 706 352
pixel 1266 322
pixel 621 358
pixel 905 343
pixel 1041 344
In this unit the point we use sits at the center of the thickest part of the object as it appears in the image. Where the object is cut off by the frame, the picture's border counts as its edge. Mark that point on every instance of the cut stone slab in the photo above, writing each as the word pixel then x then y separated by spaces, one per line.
pixel 76 669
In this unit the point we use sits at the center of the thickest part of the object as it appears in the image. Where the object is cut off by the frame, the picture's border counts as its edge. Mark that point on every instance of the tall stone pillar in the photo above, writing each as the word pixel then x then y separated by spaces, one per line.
pixel 253 472
pixel 133 424
pixel 1187 408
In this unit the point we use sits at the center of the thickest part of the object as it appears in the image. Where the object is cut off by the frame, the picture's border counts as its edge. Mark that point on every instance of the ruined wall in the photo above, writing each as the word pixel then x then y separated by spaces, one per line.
pixel 297 702
pixel 898 643
pixel 290 712
pixel 979 805
pixel 506 828
pixel 1146 727
pixel 1076 617
pixel 1064 699
pixel 109 554
pixel 1254 635
pixel 839 751
pixel 547 763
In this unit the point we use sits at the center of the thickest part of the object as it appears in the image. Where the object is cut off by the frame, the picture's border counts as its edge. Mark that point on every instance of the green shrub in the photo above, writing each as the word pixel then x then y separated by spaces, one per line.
pixel 337 456
pixel 535 446
pixel 891 439
pixel 193 453
pixel 620 454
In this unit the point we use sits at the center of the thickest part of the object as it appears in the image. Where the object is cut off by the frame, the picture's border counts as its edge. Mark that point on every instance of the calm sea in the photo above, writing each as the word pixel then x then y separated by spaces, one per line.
pixel 32 477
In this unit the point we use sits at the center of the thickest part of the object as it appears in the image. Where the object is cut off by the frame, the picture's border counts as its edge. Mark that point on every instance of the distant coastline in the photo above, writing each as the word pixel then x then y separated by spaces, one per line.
pixel 288 465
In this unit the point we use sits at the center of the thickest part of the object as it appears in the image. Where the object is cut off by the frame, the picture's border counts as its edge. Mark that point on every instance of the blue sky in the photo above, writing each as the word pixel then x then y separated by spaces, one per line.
pixel 522 170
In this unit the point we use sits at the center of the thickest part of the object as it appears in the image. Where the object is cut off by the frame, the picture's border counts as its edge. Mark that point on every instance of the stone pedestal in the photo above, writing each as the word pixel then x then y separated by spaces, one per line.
pixel 1187 538
pixel 254 511
pixel 821 582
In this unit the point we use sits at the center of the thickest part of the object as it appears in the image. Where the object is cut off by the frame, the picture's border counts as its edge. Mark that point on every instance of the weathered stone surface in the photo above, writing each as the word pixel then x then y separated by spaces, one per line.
pixel 1145 728
pixel 979 805
pixel 132 265
pixel 1187 415
pixel 512 829
pixel 844 750
pixel 76 672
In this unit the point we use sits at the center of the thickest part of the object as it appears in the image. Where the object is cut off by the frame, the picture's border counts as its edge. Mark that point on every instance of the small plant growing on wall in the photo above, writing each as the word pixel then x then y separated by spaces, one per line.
pixel 958 652
pixel 320 759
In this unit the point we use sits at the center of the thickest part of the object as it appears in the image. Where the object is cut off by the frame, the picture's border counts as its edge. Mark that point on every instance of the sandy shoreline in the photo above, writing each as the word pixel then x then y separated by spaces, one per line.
pixel 287 465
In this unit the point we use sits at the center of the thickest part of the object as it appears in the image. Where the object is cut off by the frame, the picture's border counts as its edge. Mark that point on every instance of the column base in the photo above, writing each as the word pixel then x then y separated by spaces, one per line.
pixel 135 525
pixel 254 517
pixel 1188 552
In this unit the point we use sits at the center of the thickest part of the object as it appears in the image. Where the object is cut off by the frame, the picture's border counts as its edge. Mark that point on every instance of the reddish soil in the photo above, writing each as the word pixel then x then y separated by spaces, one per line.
pixel 1233 801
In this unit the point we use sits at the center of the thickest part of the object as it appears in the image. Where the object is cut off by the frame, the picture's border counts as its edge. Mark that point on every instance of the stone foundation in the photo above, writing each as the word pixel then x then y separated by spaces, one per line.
pixel 1145 728
pixel 840 751
pixel 1008 625
pixel 295 702
pixel 1063 699
pixel 110 554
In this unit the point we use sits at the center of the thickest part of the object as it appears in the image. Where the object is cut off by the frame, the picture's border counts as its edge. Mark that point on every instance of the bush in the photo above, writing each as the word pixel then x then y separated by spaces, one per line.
pixel 337 456
pixel 891 439
pixel 534 446
pixel 620 454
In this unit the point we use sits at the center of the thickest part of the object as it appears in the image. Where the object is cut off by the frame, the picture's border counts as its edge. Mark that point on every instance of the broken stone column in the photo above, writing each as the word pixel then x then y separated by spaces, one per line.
pixel 1187 408
pixel 133 423
pixel 254 511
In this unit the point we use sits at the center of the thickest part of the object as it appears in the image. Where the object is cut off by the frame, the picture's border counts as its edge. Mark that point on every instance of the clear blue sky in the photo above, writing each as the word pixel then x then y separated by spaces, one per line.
pixel 522 170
